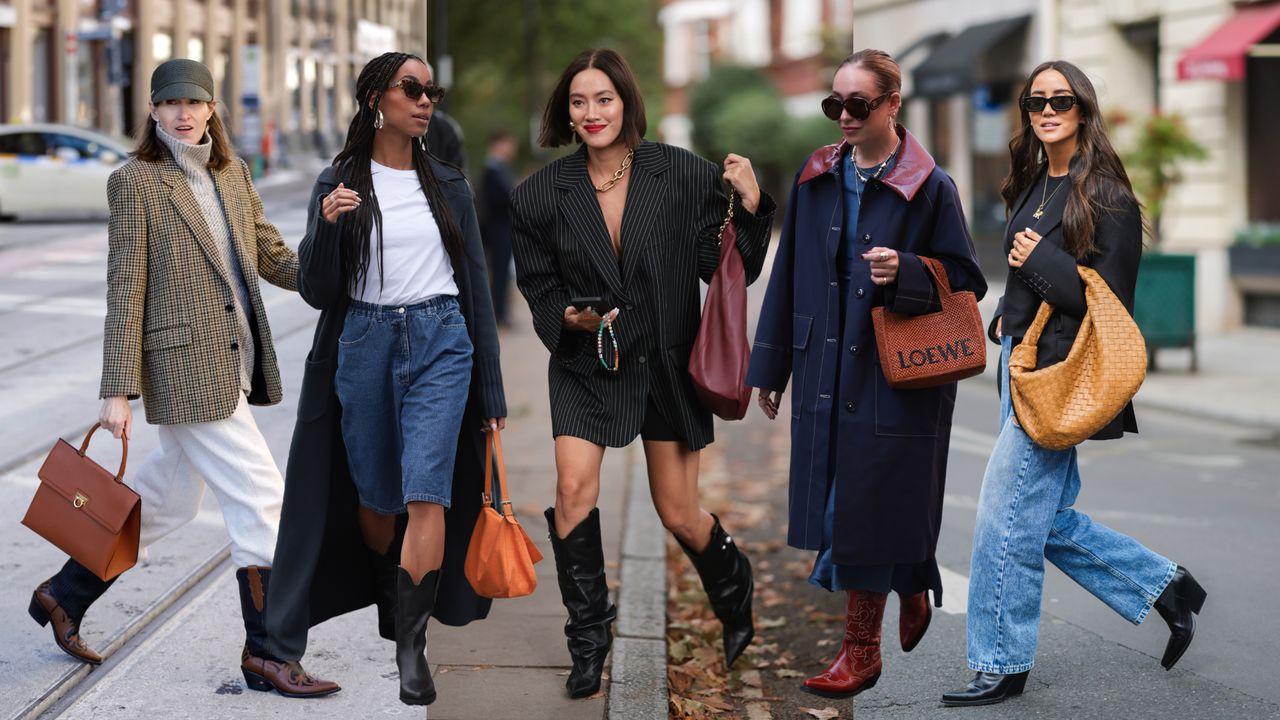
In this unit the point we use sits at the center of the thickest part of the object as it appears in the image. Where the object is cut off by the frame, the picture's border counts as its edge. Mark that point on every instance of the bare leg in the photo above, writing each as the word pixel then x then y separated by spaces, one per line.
pixel 423 549
pixel 673 483
pixel 378 530
pixel 577 481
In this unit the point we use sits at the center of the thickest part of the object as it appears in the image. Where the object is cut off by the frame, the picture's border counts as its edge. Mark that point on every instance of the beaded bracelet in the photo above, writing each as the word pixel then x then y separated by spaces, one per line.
pixel 607 323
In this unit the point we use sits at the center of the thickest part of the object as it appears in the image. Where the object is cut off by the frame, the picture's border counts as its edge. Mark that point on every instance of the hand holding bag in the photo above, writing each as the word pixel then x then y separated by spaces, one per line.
pixel 501 556
pixel 718 361
pixel 921 351
pixel 1064 404
pixel 86 511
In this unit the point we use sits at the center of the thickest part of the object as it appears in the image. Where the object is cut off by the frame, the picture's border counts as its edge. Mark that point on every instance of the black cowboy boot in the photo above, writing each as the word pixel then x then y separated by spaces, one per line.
pixel 414 604
pixel 386 568
pixel 987 689
pixel 63 600
pixel 1178 605
pixel 261 670
pixel 726 576
pixel 580 573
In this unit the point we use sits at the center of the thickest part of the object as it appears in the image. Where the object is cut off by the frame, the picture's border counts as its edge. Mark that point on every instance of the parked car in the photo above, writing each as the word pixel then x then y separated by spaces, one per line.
pixel 56 169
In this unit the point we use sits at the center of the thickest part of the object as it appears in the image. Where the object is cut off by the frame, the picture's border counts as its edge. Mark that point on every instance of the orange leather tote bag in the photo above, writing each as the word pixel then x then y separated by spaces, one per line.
pixel 921 351
pixel 89 513
pixel 501 556
pixel 718 361
pixel 1066 403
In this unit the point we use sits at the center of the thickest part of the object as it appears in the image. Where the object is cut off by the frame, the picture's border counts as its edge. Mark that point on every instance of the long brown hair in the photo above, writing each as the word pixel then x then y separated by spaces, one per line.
pixel 152 149
pixel 555 117
pixel 1099 182
pixel 353 163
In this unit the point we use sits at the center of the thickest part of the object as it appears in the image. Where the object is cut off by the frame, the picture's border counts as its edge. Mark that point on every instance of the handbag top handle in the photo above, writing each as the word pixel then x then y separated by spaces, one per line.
pixel 492 451
pixel 939 273
pixel 124 456
pixel 728 218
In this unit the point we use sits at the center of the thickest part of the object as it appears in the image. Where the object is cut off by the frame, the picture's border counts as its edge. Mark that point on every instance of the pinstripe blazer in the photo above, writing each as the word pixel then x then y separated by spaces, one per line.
pixel 170 334
pixel 673 212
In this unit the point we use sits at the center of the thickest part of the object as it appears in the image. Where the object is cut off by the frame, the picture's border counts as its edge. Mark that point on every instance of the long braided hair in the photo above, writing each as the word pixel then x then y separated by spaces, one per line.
pixel 354 167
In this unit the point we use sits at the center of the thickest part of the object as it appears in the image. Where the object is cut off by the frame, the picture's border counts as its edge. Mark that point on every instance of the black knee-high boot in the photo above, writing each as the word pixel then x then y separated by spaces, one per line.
pixel 580 574
pixel 63 600
pixel 726 576
pixel 414 604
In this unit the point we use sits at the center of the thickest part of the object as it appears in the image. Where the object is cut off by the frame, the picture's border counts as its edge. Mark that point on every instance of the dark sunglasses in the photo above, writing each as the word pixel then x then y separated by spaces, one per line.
pixel 858 108
pixel 414 89
pixel 1060 103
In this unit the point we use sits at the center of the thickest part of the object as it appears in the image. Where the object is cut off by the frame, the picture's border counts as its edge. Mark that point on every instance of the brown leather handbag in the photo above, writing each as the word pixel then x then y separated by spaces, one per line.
pixel 920 351
pixel 718 361
pixel 86 511
pixel 1064 404
pixel 501 556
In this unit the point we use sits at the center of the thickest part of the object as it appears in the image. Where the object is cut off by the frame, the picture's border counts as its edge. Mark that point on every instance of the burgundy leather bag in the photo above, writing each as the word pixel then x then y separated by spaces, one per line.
pixel 718 362
pixel 86 511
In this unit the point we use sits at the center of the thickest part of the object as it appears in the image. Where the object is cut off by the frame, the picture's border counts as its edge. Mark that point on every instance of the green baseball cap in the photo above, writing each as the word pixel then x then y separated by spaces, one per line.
pixel 181 78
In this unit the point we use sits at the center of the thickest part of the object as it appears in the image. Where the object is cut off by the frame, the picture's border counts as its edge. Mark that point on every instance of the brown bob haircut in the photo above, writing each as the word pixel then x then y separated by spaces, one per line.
pixel 152 149
pixel 555 118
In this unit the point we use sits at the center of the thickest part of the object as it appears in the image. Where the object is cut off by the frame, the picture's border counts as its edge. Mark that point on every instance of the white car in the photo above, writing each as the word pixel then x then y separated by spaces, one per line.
pixel 56 169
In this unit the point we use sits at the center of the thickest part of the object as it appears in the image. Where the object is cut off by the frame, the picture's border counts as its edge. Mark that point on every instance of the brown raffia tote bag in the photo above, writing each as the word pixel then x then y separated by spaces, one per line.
pixel 921 351
pixel 86 511
pixel 718 361
pixel 501 556
pixel 1064 404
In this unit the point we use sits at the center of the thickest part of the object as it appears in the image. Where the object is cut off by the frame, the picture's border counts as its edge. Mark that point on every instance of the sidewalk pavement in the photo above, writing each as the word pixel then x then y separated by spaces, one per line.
pixel 1237 381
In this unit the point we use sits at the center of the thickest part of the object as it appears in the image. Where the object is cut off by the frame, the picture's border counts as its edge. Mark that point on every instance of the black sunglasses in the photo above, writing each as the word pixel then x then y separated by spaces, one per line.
pixel 858 108
pixel 415 90
pixel 1060 103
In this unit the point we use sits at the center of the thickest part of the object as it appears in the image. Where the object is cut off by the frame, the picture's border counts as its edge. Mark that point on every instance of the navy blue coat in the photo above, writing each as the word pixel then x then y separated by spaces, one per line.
pixel 891 445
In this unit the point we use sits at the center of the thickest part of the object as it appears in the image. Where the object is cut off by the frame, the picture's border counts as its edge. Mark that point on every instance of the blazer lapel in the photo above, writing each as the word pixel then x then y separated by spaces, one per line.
pixel 1013 212
pixel 644 199
pixel 586 223
pixel 184 201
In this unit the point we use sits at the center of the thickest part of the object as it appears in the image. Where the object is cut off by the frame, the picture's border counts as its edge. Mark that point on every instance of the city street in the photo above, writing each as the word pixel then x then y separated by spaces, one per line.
pixel 1202 492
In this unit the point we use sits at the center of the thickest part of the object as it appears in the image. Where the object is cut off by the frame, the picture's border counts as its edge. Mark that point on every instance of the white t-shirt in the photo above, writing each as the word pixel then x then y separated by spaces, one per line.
pixel 415 264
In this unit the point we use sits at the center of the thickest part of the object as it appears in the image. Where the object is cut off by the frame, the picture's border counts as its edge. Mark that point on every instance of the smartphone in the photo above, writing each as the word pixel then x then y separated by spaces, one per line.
pixel 582 303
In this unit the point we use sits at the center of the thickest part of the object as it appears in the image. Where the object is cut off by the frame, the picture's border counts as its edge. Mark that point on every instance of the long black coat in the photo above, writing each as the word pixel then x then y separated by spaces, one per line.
pixel 674 209
pixel 1049 273
pixel 322 566
pixel 890 446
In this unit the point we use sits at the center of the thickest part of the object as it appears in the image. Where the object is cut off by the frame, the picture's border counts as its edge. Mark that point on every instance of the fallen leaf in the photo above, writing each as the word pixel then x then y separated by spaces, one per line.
pixel 775 622
pixel 788 673
pixel 829 713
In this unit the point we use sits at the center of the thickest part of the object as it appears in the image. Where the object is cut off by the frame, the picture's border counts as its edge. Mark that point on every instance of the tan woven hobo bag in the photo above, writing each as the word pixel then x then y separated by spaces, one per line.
pixel 1064 404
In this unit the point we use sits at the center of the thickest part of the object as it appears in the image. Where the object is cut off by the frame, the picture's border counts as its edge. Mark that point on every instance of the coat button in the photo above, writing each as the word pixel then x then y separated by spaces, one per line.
pixel 641 359
pixel 860 292
pixel 853 349
pixel 866 239
pixel 229 307
pixel 850 407
pixel 235 346
pixel 629 306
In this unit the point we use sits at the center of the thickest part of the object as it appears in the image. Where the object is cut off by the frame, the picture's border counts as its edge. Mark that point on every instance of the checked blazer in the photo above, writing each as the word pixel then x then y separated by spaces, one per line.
pixel 674 208
pixel 170 334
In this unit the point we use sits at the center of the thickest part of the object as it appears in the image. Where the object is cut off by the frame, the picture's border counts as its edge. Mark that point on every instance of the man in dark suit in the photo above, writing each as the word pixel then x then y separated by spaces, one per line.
pixel 495 214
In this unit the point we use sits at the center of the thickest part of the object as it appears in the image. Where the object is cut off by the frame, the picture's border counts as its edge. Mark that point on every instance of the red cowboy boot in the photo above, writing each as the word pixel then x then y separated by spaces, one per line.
pixel 857 666
pixel 914 614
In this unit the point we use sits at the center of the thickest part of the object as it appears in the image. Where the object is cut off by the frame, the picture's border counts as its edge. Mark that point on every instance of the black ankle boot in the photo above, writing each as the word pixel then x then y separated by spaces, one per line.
pixel 580 574
pixel 987 689
pixel 414 605
pixel 1178 605
pixel 726 576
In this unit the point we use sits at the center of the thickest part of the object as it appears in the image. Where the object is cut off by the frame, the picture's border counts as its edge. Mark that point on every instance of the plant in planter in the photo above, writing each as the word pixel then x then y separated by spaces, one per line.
pixel 1255 270
pixel 1164 304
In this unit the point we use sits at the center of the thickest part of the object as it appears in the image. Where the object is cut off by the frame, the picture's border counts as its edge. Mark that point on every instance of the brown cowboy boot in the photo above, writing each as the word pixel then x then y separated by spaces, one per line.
pixel 262 671
pixel 44 609
pixel 914 614
pixel 857 666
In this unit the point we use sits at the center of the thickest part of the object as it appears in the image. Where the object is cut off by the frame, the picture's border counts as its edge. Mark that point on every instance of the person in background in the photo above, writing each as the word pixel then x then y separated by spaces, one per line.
pixel 495 197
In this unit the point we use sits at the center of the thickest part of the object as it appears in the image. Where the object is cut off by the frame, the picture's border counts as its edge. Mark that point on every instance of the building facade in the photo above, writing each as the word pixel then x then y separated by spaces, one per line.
pixel 284 69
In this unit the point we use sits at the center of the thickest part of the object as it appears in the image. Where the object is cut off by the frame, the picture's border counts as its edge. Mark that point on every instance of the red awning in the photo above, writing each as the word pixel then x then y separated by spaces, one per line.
pixel 1221 55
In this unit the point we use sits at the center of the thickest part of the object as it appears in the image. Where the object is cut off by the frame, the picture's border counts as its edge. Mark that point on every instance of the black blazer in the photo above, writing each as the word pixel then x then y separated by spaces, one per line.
pixel 674 208
pixel 322 566
pixel 1049 274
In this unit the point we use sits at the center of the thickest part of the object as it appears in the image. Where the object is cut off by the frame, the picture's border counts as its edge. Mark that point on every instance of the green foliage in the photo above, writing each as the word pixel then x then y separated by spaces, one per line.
pixel 508 54
pixel 1163 143
pixel 1260 234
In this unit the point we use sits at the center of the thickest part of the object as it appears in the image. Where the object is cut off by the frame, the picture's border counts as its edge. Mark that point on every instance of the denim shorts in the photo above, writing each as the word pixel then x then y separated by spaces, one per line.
pixel 403 377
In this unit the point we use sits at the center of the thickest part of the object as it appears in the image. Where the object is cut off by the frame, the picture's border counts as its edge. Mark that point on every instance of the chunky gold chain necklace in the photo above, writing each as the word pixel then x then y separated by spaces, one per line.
pixel 626 165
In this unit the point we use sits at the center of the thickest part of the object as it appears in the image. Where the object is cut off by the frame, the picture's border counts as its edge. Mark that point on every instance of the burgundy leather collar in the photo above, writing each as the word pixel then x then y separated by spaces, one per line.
pixel 912 168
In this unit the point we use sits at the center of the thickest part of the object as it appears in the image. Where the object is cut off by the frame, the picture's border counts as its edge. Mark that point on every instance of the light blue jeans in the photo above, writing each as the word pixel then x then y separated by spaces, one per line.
pixel 1024 517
